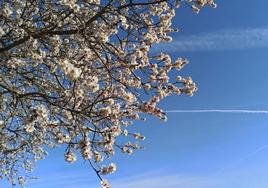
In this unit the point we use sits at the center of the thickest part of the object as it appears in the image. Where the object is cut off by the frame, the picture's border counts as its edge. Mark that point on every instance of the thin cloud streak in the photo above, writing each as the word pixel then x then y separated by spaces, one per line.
pixel 220 111
pixel 242 159
pixel 232 39
pixel 151 179
pixel 169 181
pixel 165 178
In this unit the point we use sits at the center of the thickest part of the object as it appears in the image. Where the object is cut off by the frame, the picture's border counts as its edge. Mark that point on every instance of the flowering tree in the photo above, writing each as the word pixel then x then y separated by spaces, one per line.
pixel 77 73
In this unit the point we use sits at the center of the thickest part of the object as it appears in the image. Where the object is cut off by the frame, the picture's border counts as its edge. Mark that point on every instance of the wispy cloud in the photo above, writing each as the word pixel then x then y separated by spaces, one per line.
pixel 168 181
pixel 231 39
pixel 153 179
pixel 242 159
pixel 220 111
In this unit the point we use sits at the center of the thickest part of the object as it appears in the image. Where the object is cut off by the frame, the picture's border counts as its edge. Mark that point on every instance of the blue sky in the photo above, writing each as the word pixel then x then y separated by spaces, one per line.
pixel 198 150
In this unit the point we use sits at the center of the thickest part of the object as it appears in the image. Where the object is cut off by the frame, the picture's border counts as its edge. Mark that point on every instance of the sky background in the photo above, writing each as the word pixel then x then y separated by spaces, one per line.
pixel 228 50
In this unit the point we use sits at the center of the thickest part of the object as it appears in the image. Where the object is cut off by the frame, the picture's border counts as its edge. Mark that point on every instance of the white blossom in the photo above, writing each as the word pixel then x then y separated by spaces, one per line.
pixel 70 157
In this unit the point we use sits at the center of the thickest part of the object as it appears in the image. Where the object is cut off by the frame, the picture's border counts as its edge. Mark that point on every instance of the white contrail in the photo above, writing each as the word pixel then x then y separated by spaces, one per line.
pixel 220 111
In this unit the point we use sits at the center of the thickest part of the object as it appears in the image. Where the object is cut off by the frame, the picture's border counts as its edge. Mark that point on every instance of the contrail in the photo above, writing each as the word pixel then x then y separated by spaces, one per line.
pixel 220 111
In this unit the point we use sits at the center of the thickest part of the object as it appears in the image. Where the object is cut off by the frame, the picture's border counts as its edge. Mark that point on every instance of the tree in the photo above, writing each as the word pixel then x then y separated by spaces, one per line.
pixel 77 73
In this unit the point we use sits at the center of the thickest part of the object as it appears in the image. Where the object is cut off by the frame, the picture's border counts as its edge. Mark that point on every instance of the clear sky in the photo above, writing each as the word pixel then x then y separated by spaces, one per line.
pixel 228 50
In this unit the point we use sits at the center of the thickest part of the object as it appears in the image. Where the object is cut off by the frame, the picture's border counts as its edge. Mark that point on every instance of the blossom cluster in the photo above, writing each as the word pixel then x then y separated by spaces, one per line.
pixel 77 74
